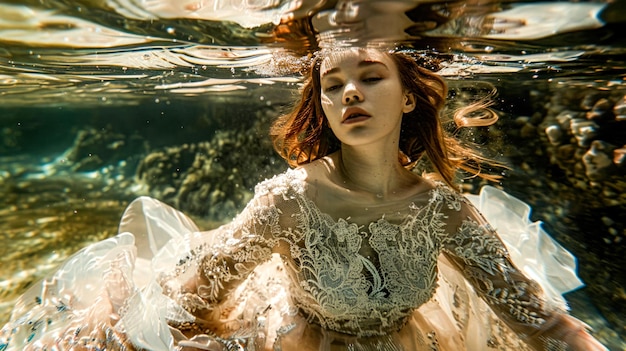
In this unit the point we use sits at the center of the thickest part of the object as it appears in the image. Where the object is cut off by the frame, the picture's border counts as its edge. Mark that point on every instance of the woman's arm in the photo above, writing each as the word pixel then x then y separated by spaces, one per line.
pixel 481 256
pixel 217 261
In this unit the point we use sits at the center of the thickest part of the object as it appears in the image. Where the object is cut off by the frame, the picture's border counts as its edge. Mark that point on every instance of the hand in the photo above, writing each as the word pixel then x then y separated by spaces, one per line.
pixel 565 330
pixel 585 342
pixel 576 335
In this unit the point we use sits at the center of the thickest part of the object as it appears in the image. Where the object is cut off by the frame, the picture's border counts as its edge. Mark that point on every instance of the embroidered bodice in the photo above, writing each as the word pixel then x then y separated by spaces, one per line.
pixel 345 290
pixel 356 279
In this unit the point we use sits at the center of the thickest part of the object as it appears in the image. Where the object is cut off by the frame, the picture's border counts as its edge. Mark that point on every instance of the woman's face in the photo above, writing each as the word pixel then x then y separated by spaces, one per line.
pixel 362 96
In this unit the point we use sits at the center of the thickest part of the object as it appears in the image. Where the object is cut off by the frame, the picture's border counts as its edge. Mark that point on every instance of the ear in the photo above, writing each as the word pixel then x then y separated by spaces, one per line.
pixel 409 103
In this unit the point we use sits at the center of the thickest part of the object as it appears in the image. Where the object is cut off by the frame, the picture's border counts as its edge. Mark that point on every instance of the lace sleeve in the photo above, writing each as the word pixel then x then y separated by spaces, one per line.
pixel 214 263
pixel 474 246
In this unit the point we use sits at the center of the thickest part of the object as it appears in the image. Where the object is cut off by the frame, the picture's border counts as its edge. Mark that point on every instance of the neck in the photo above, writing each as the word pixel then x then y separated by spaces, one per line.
pixel 377 171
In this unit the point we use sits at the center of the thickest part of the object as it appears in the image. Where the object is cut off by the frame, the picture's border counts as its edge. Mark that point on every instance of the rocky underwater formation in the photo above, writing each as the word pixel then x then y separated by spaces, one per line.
pixel 569 163
pixel 212 176
pixel 212 179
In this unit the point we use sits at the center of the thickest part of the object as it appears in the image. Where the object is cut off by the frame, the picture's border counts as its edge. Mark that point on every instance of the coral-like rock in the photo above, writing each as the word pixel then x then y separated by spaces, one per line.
pixel 619 110
pixel 584 131
pixel 591 99
pixel 212 179
pixel 566 153
pixel 598 160
pixel 555 134
pixel 603 109
pixel 619 156
pixel 96 148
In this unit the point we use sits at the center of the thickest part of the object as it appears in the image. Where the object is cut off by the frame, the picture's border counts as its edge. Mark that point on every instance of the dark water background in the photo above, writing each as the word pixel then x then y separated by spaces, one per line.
pixel 102 101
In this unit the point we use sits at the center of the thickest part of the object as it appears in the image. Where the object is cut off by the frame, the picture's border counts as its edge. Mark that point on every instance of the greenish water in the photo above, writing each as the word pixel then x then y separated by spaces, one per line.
pixel 100 103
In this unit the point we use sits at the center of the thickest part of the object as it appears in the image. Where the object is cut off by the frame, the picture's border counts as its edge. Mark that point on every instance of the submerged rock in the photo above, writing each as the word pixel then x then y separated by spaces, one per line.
pixel 619 156
pixel 584 131
pixel 212 179
pixel 603 109
pixel 590 99
pixel 555 134
pixel 598 160
pixel 619 110
pixel 96 148
pixel 584 184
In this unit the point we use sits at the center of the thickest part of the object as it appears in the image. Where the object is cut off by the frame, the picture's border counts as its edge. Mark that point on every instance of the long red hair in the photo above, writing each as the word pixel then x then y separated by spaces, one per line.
pixel 303 135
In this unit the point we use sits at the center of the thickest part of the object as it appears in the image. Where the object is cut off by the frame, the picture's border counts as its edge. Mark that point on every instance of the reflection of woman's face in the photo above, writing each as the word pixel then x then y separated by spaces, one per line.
pixel 362 96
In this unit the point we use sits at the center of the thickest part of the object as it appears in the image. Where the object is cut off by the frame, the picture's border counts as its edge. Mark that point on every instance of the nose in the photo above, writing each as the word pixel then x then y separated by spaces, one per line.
pixel 351 94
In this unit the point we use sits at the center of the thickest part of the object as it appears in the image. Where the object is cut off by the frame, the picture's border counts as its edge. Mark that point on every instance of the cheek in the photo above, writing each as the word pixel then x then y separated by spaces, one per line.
pixel 325 100
pixel 393 97
pixel 327 103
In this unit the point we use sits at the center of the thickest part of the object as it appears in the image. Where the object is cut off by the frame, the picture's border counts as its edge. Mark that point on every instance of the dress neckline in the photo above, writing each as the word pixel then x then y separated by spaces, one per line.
pixel 411 208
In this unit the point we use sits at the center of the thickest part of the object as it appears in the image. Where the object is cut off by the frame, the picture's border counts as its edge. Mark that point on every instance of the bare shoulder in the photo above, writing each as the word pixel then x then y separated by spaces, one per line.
pixel 318 172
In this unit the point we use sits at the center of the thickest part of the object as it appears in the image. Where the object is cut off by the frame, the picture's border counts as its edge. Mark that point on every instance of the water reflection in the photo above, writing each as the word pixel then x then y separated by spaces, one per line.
pixel 132 44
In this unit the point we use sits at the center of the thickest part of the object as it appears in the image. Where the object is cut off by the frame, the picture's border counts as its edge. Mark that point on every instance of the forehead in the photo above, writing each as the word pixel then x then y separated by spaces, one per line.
pixel 349 58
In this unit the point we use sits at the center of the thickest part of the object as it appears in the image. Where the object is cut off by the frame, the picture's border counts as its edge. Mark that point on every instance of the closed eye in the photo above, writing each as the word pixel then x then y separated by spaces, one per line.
pixel 372 79
pixel 333 88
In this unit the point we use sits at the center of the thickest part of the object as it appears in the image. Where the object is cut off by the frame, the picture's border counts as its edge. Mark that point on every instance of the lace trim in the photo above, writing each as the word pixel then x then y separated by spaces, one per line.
pixel 287 185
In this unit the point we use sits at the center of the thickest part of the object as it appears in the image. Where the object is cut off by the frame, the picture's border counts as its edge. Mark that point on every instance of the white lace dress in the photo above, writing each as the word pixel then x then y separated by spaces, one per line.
pixel 285 276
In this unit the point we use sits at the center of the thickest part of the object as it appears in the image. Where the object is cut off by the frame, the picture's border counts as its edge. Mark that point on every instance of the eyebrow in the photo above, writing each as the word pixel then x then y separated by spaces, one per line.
pixel 364 63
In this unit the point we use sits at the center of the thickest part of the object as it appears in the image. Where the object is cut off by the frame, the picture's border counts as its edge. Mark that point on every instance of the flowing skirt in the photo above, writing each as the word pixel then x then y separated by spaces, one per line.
pixel 106 296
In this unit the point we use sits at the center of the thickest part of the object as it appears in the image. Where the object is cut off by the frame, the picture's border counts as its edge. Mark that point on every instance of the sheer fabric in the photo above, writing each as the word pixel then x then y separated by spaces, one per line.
pixel 283 275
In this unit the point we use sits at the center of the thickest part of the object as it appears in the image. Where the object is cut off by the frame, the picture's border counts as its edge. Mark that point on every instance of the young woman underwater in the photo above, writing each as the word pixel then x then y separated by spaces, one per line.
pixel 349 250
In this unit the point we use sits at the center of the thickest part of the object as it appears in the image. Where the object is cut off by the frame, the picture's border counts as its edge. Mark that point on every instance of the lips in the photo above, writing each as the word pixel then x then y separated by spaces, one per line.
pixel 354 114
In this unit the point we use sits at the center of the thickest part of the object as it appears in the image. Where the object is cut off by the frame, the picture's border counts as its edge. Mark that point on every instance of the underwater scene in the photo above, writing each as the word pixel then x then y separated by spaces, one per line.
pixel 102 101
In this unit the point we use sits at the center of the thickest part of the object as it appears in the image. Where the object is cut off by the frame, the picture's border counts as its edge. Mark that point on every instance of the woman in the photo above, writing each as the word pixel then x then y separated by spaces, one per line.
pixel 351 250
